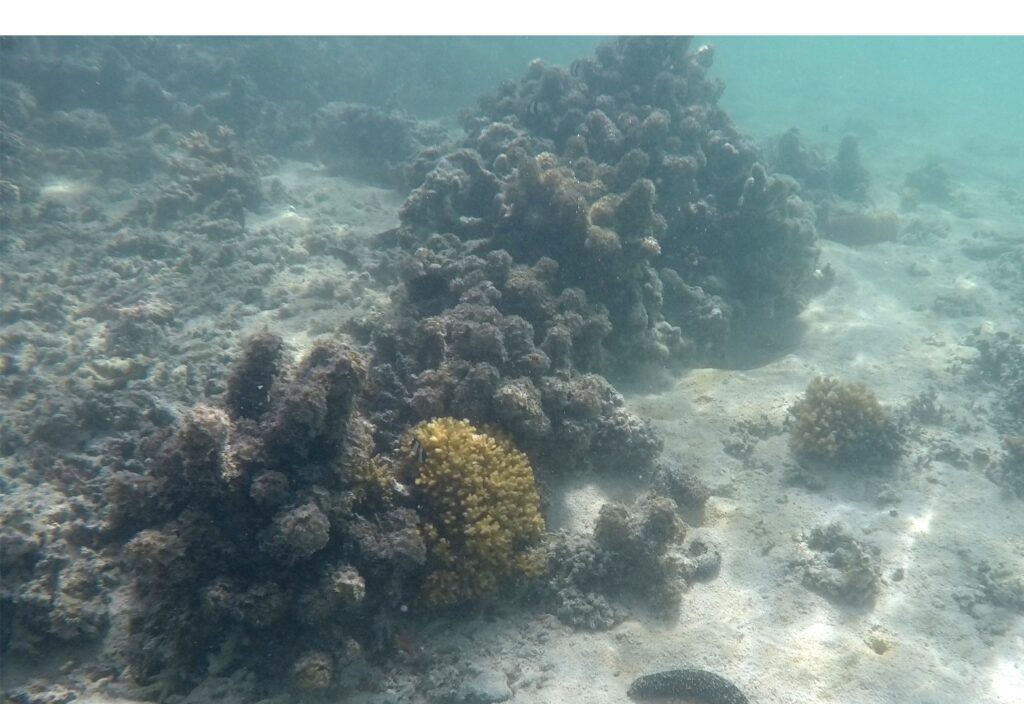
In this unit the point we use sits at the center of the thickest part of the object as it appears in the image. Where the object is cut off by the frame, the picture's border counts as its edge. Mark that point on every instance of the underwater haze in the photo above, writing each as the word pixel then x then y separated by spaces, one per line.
pixel 467 370
pixel 952 93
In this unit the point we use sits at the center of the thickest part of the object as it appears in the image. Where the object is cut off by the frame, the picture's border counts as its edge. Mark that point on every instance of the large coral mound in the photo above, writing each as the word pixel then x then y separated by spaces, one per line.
pixel 629 558
pixel 479 509
pixel 843 423
pixel 626 173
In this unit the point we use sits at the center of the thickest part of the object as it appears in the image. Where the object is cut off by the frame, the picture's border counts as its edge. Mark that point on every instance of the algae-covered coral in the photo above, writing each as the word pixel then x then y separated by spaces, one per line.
pixel 479 509
pixel 843 423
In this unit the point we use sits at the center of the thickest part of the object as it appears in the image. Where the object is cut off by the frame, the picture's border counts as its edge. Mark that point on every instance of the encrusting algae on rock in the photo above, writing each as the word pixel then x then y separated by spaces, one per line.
pixel 479 509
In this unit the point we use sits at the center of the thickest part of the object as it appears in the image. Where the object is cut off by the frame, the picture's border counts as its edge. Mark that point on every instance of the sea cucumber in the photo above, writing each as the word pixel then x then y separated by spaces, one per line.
pixel 702 685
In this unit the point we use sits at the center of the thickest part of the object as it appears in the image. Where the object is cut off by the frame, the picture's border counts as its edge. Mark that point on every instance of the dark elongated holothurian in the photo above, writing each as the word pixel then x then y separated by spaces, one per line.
pixel 701 685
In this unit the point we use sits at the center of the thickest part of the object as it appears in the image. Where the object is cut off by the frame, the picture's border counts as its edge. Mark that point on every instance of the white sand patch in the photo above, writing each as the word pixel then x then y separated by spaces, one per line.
pixel 61 190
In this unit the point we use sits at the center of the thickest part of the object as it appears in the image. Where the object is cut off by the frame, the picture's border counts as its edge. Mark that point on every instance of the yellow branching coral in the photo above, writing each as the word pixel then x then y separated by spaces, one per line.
pixel 479 509
pixel 844 423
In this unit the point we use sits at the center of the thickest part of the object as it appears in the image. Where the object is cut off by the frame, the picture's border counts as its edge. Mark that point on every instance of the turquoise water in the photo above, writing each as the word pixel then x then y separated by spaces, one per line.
pixel 946 88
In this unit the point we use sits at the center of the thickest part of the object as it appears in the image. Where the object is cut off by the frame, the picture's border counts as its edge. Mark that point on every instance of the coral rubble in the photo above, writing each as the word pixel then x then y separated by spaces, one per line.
pixel 54 590
pixel 930 183
pixel 628 557
pixel 839 567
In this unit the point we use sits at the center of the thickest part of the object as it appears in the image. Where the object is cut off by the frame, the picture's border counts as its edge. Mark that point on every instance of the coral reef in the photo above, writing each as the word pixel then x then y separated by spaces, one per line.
pixel 594 220
pixel 627 175
pixel 312 672
pixel 274 514
pixel 681 485
pixel 849 177
pixel 479 510
pixel 1002 586
pixel 1000 364
pixel 699 558
pixel 81 127
pixel 992 595
pixel 789 156
pixel 838 188
pixel 843 423
pixel 999 585
pixel 215 178
pixel 839 567
pixel 930 183
pixel 825 181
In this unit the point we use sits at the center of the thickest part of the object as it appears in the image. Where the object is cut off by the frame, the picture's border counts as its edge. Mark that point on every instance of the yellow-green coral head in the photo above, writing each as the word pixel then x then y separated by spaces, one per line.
pixel 843 423
pixel 479 509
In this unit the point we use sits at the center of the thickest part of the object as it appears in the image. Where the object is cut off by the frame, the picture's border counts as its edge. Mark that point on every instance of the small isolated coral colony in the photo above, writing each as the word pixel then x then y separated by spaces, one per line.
pixel 843 423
